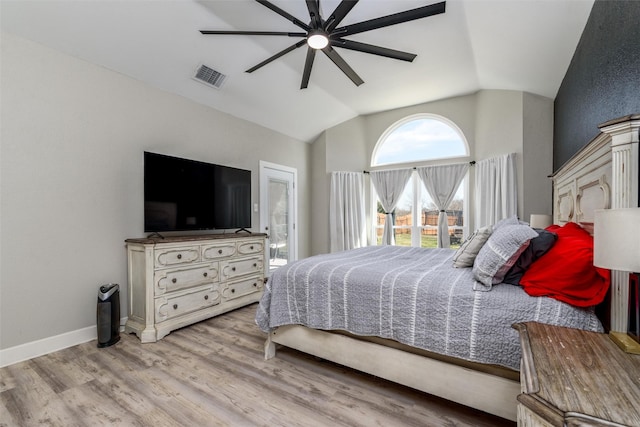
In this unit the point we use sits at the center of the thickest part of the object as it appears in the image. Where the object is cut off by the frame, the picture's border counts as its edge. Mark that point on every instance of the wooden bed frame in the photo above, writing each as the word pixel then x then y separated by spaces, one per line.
pixel 603 174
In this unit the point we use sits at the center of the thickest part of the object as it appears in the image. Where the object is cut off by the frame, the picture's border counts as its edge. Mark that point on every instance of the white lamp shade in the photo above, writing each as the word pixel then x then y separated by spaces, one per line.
pixel 616 239
pixel 540 221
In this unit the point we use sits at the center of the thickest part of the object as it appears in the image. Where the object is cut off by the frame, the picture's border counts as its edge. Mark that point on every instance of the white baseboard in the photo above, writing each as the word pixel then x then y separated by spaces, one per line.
pixel 22 352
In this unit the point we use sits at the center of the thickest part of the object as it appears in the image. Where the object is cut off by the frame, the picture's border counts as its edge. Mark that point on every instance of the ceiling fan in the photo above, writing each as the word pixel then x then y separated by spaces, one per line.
pixel 324 34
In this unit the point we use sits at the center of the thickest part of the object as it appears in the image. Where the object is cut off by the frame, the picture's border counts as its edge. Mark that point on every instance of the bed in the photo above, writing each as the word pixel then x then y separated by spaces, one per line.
pixel 473 357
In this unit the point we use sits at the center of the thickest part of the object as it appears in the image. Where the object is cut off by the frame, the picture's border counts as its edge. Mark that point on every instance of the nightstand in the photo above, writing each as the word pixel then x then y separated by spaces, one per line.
pixel 571 377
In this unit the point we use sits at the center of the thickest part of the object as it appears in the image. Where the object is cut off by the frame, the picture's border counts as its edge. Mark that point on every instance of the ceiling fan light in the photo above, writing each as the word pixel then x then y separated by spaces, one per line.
pixel 317 40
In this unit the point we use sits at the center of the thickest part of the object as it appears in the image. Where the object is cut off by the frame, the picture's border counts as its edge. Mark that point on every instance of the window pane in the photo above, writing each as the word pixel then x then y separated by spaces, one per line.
pixel 418 140
pixel 403 216
pixel 403 236
pixel 455 243
pixel 455 212
pixel 428 238
pixel 429 218
pixel 278 223
pixel 380 214
pixel 379 232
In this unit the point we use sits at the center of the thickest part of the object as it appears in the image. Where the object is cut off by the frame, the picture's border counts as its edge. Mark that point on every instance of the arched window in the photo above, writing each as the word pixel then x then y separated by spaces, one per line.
pixel 421 140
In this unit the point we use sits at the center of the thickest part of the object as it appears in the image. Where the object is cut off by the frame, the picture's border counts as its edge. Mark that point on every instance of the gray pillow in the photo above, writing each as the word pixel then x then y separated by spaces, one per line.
pixel 538 246
pixel 500 252
pixel 469 249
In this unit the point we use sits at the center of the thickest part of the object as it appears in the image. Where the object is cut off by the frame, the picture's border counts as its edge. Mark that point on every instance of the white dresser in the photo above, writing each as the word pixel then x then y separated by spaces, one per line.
pixel 177 281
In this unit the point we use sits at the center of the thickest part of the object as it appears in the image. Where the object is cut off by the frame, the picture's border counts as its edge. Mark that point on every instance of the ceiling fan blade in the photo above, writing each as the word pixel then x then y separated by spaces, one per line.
pixel 253 33
pixel 376 50
pixel 337 59
pixel 284 14
pixel 385 21
pixel 338 15
pixel 277 55
pixel 311 54
pixel 314 13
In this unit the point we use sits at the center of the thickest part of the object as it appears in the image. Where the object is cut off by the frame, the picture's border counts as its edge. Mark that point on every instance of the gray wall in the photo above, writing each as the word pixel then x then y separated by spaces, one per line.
pixel 603 79
pixel 72 179
pixel 494 122
pixel 537 128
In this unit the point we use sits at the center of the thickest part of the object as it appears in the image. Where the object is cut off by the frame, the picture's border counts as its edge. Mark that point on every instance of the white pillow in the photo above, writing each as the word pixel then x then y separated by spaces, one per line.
pixel 501 251
pixel 469 249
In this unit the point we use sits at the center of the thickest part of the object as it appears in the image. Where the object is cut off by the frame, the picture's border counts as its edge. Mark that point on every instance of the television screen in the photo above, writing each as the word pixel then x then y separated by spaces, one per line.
pixel 233 192
pixel 182 194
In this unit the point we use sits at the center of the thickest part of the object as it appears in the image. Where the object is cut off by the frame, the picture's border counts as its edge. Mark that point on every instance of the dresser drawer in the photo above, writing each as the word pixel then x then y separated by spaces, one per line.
pixel 240 267
pixel 174 306
pixel 243 287
pixel 217 251
pixel 251 247
pixel 183 278
pixel 169 257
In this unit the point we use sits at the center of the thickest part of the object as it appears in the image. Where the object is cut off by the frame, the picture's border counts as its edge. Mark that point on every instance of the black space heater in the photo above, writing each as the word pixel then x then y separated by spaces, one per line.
pixel 108 315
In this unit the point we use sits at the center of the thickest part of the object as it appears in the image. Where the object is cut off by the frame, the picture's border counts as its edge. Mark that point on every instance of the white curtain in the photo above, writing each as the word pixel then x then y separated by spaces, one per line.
pixel 441 183
pixel 389 186
pixel 496 189
pixel 346 211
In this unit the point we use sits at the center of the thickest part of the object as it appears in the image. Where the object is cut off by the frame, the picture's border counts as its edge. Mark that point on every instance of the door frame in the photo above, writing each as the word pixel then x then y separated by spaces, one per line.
pixel 264 205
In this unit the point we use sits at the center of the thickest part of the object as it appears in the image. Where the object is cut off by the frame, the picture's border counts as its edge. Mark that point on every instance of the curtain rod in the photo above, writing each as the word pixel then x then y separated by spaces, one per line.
pixel 472 162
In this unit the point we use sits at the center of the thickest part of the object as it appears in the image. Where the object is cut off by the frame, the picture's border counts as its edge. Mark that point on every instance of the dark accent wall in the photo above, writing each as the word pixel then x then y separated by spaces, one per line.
pixel 603 79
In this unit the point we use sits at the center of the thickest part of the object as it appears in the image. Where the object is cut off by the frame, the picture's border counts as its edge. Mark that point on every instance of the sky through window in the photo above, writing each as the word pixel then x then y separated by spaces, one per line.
pixel 420 139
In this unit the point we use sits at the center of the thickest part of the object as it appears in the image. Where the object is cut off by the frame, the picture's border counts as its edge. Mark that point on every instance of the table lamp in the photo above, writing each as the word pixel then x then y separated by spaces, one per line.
pixel 616 246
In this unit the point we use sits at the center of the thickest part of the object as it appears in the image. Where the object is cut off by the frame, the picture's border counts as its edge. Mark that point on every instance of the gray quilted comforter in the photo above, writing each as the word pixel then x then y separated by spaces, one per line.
pixel 411 295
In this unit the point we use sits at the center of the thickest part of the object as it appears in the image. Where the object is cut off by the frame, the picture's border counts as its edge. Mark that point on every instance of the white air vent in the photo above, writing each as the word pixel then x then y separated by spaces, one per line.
pixel 209 76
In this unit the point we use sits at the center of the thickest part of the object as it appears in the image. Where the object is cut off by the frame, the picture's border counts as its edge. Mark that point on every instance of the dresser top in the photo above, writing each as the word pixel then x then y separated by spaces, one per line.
pixel 573 376
pixel 193 238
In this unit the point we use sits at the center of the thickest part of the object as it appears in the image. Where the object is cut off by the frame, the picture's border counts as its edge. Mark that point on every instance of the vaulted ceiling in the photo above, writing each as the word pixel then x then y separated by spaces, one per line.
pixel 523 45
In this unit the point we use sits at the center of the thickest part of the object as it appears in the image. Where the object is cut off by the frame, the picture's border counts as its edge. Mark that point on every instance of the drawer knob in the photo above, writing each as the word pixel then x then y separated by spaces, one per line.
pixel 233 291
pixel 179 256
pixel 255 265
pixel 174 280
pixel 175 306
pixel 220 251
pixel 233 269
pixel 205 274
pixel 206 297
pixel 255 285
pixel 251 247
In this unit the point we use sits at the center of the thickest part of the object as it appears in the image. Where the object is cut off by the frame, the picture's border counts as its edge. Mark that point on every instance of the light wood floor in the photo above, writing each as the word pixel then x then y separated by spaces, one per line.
pixel 211 374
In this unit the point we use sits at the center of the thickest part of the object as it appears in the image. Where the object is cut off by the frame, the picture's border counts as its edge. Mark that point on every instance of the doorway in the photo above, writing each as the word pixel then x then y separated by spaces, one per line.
pixel 278 213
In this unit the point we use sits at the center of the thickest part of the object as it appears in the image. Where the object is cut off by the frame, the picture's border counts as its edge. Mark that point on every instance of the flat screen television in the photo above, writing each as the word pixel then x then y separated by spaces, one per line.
pixel 182 194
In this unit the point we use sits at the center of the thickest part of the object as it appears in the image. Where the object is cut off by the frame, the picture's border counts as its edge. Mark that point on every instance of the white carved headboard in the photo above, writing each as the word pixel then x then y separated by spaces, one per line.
pixel 602 175
pixel 583 184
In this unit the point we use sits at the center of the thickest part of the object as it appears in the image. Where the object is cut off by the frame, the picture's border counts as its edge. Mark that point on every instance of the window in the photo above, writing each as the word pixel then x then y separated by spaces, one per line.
pixel 421 140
